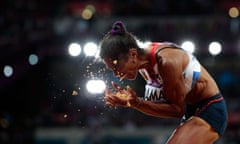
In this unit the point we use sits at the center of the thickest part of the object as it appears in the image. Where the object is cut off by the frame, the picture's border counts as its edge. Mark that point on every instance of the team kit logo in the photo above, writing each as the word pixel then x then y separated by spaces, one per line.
pixel 154 87
pixel 153 93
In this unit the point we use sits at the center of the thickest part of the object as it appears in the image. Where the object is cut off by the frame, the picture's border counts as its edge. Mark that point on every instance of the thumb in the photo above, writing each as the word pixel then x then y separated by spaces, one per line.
pixel 130 90
pixel 116 86
pixel 134 100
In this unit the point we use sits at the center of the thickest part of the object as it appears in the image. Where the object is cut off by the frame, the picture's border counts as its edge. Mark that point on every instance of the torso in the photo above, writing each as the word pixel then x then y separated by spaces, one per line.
pixel 204 88
pixel 197 82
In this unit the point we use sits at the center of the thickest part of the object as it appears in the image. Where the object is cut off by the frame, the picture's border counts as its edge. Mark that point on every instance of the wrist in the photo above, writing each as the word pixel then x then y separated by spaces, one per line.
pixel 138 102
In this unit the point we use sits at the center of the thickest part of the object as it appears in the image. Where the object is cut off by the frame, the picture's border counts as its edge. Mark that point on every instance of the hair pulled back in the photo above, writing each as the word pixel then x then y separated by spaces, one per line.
pixel 117 42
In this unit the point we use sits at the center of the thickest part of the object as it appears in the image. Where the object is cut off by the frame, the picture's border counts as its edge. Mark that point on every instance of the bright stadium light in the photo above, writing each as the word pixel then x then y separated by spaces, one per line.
pixel 8 70
pixel 95 86
pixel 74 49
pixel 33 59
pixel 90 49
pixel 215 48
pixel 143 44
pixel 188 46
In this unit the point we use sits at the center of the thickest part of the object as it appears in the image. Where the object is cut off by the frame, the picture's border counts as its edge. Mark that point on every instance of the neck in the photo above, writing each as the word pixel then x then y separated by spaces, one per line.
pixel 144 59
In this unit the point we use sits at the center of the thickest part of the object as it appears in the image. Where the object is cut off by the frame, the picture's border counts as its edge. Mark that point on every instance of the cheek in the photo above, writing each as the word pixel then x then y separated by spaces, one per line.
pixel 130 67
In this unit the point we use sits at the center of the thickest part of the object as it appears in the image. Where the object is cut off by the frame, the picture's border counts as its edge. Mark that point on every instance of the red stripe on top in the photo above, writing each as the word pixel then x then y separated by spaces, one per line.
pixel 209 103
pixel 153 52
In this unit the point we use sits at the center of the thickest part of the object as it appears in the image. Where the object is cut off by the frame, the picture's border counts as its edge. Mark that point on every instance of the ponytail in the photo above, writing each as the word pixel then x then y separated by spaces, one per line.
pixel 118 28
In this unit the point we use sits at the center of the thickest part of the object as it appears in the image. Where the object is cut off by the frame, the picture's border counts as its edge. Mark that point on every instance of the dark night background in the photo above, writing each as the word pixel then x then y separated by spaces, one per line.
pixel 40 96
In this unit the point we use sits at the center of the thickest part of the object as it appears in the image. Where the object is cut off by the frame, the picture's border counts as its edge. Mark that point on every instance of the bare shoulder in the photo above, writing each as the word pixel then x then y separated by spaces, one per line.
pixel 172 57
pixel 171 64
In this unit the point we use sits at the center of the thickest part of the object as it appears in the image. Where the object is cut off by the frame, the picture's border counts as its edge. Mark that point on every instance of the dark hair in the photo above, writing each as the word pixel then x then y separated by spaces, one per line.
pixel 117 42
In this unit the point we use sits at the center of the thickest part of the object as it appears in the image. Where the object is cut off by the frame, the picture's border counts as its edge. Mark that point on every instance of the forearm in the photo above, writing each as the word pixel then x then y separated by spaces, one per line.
pixel 162 110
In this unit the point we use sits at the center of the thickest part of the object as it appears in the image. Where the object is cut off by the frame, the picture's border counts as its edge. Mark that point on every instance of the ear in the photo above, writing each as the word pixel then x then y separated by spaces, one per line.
pixel 133 52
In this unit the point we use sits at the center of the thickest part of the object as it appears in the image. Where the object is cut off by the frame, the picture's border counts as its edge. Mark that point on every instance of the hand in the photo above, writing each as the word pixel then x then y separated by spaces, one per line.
pixel 122 97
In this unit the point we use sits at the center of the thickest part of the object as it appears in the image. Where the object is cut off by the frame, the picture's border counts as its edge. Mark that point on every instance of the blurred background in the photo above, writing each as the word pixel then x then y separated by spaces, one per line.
pixel 51 80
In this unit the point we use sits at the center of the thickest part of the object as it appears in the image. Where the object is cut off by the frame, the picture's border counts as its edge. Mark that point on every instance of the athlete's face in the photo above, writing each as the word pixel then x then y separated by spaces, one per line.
pixel 125 67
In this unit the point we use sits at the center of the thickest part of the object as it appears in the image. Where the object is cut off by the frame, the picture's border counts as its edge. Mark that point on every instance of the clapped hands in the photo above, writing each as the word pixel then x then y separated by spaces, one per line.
pixel 121 97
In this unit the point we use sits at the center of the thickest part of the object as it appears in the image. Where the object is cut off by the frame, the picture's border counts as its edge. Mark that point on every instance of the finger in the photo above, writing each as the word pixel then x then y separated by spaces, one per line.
pixel 117 87
pixel 110 104
pixel 109 99
pixel 107 91
pixel 115 100
pixel 129 89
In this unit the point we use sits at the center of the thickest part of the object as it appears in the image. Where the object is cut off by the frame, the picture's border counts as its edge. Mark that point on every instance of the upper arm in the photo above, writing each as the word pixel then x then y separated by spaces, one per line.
pixel 171 65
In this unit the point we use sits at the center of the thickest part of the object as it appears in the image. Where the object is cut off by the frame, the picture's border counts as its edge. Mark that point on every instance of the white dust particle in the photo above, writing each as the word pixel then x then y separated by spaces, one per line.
pixel 75 93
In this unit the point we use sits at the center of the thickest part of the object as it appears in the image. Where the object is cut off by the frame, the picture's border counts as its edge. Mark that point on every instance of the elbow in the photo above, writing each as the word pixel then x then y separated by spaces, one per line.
pixel 179 111
pixel 179 114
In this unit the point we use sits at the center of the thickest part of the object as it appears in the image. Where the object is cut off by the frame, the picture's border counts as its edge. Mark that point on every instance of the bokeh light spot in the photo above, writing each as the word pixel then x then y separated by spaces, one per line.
pixel 8 70
pixel 33 59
